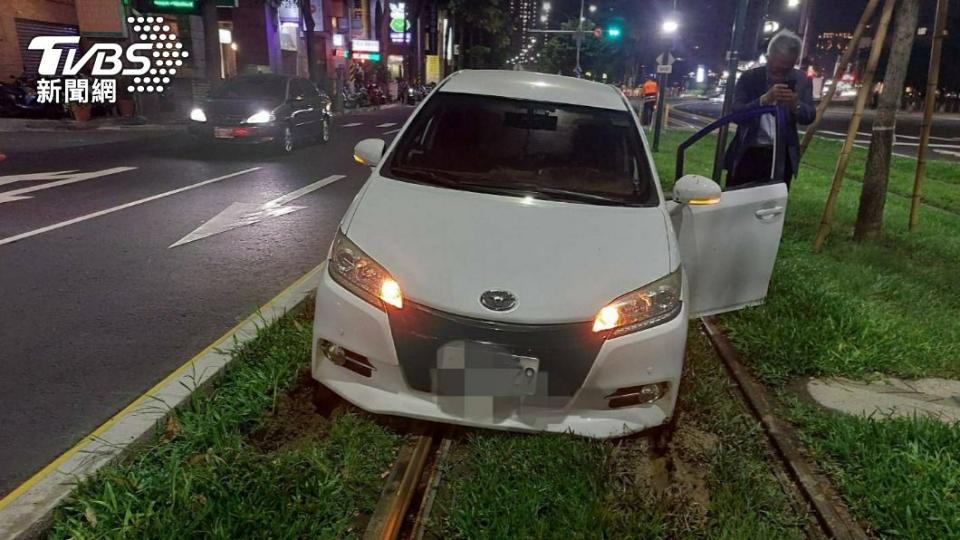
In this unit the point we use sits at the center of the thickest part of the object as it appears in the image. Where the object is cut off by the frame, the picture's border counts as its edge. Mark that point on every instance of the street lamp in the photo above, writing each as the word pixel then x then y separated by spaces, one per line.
pixel 593 9
pixel 670 26
pixel 793 4
pixel 546 6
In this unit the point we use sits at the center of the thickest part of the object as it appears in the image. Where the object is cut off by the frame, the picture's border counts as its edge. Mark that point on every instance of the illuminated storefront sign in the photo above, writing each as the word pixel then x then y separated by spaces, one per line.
pixel 399 25
pixel 365 45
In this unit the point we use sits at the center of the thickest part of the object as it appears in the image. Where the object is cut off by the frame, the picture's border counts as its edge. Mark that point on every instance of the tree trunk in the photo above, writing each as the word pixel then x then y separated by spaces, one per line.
pixel 211 40
pixel 874 193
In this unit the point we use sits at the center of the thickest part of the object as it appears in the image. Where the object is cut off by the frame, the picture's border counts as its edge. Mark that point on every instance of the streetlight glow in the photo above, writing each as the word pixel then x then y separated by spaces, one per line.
pixel 793 4
pixel 670 26
pixel 593 8
pixel 546 6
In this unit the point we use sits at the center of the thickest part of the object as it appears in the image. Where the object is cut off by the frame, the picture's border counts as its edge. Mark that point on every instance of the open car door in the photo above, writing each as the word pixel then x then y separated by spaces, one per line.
pixel 729 241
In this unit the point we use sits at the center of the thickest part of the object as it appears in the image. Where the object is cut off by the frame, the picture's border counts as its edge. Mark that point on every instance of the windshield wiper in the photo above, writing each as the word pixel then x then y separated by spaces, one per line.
pixel 431 176
pixel 560 193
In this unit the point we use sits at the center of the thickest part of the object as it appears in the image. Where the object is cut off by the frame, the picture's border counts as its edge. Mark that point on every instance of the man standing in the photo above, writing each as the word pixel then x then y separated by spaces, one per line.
pixel 650 89
pixel 750 156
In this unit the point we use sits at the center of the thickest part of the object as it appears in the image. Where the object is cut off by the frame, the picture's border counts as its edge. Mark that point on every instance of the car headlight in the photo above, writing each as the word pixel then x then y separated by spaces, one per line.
pixel 261 117
pixel 197 115
pixel 643 308
pixel 355 271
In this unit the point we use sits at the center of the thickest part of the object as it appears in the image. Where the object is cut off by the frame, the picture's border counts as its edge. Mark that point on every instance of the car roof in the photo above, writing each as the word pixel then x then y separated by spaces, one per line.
pixel 534 86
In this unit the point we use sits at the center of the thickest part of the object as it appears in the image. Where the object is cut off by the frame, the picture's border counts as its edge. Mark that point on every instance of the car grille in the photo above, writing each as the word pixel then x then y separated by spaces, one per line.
pixel 227 119
pixel 566 352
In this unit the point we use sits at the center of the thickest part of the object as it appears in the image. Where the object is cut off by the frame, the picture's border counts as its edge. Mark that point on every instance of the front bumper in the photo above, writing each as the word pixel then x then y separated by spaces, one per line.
pixel 653 356
pixel 240 134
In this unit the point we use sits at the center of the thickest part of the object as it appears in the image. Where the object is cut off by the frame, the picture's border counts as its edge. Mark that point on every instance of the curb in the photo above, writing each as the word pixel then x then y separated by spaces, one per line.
pixel 27 511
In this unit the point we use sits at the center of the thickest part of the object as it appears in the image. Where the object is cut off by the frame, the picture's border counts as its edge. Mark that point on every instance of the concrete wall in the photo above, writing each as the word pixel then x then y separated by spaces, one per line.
pixel 49 11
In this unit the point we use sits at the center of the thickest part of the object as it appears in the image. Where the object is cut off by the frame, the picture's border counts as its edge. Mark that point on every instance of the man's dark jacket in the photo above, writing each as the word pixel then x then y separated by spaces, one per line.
pixel 750 88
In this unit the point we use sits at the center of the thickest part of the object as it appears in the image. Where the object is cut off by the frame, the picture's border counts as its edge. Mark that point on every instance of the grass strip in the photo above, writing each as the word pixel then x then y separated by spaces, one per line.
pixel 717 480
pixel 234 463
pixel 861 310
pixel 858 308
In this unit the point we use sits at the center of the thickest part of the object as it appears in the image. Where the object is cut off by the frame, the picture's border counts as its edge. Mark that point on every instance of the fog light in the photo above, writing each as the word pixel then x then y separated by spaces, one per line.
pixel 637 395
pixel 347 359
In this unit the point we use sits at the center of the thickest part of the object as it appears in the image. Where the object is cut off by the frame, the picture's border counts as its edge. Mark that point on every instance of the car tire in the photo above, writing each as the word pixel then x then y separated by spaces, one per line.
pixel 286 143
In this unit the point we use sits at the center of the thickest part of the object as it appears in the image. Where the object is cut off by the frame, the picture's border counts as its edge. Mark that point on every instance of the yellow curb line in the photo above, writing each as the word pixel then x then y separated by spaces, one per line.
pixel 53 465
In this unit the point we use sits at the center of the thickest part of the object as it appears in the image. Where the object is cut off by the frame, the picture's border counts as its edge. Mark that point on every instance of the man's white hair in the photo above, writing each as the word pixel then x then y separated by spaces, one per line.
pixel 785 43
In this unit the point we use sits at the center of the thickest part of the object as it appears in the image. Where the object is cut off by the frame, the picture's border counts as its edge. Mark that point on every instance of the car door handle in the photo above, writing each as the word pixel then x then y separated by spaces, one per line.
pixel 767 214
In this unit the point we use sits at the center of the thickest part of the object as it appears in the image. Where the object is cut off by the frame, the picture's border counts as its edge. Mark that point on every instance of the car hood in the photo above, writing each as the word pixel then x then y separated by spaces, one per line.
pixel 563 261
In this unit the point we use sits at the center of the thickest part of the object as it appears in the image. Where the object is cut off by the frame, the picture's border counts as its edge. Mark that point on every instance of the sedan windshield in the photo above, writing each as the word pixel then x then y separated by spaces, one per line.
pixel 267 88
pixel 518 147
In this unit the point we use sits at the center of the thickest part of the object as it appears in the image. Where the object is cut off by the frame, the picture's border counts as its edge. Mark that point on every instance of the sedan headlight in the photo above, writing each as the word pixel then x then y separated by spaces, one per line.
pixel 261 117
pixel 197 115
pixel 643 308
pixel 355 271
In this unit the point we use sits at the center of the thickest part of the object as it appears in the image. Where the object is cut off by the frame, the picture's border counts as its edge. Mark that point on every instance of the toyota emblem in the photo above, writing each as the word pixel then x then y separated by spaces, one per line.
pixel 498 300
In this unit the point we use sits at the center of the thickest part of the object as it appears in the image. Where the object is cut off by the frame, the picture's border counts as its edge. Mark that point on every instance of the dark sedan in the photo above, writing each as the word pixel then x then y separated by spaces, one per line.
pixel 274 109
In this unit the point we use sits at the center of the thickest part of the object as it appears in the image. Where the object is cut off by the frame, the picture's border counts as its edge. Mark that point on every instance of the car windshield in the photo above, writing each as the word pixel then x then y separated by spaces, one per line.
pixel 252 88
pixel 519 147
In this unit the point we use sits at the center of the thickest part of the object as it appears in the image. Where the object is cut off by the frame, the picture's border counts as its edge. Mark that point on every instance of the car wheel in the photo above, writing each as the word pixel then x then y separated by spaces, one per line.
pixel 325 131
pixel 286 141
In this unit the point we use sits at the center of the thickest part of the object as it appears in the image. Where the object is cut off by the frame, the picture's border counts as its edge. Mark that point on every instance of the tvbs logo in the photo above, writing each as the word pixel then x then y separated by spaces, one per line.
pixel 150 62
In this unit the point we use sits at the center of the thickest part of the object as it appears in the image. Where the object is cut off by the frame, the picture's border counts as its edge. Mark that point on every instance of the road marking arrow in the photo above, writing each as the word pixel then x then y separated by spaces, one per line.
pixel 240 214
pixel 61 178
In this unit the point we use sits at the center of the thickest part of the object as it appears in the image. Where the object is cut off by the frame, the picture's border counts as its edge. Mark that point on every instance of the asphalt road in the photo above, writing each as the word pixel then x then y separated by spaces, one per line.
pixel 97 305
pixel 944 142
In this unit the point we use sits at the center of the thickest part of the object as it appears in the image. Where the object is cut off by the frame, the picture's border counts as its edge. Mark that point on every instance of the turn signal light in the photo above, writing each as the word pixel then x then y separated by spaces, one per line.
pixel 390 293
pixel 606 319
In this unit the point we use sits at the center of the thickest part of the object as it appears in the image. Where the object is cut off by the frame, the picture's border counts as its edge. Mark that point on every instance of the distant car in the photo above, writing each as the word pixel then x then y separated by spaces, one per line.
pixel 273 109
pixel 513 262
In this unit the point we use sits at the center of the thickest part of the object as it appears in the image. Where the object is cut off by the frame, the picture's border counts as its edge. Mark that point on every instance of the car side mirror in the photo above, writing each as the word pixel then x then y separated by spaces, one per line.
pixel 696 190
pixel 368 152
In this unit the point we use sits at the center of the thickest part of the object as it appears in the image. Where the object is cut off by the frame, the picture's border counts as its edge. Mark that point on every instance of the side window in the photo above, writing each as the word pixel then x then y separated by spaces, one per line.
pixel 309 89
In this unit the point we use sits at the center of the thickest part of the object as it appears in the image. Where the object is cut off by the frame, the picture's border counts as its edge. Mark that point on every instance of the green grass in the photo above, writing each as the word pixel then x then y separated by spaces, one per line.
pixel 856 309
pixel 500 485
pixel 903 475
pixel 884 307
pixel 206 476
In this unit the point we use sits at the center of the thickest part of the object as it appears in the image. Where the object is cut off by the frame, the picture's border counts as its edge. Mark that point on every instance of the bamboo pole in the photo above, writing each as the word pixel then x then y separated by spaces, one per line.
pixel 867 83
pixel 933 80
pixel 841 68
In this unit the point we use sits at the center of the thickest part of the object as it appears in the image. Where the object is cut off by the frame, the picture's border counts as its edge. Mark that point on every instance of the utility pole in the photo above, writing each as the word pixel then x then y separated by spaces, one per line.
pixel 733 64
pixel 806 16
pixel 669 29
pixel 211 40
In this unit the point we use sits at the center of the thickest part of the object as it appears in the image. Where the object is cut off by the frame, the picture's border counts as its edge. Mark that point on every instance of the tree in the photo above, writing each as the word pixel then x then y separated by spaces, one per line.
pixel 484 29
pixel 874 193
pixel 597 55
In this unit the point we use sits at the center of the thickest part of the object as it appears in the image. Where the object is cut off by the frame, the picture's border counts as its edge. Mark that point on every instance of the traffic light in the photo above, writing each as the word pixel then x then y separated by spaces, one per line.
pixel 614 32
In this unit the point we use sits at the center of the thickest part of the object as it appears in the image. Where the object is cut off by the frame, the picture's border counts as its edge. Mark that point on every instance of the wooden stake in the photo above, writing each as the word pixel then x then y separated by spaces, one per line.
pixel 841 68
pixel 862 96
pixel 930 102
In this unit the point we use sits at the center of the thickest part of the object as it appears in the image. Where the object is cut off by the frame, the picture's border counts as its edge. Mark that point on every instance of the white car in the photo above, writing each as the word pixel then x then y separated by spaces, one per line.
pixel 512 263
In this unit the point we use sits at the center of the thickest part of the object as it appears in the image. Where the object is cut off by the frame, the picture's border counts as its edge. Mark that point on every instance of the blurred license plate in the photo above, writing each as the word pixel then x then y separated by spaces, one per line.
pixel 467 368
pixel 223 133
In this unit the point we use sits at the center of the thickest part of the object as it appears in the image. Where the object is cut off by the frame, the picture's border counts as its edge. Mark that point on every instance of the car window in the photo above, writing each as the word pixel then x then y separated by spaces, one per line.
pixel 522 147
pixel 308 89
pixel 251 88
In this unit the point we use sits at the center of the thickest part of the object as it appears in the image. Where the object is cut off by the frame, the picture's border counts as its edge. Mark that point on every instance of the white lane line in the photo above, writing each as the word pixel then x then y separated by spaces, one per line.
pixel 240 214
pixel 61 178
pixel 387 124
pixel 48 228
pixel 352 124
pixel 391 132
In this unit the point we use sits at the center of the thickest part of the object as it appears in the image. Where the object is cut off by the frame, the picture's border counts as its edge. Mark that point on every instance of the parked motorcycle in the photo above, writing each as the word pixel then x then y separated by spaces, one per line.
pixel 19 98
